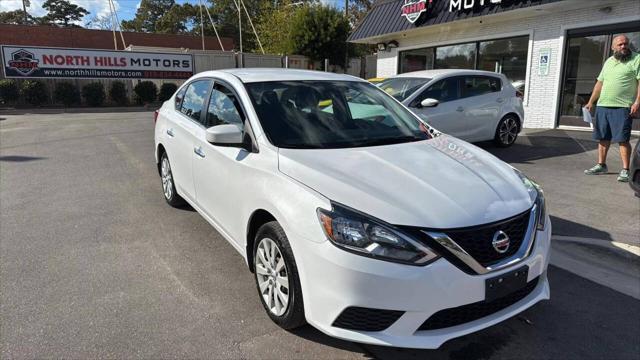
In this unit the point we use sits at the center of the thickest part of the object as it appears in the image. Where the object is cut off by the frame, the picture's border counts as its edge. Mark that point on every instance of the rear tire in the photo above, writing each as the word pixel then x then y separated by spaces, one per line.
pixel 168 185
pixel 277 278
pixel 507 131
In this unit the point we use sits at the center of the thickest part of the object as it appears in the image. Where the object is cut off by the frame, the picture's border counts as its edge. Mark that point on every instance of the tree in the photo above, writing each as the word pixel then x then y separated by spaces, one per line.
pixel 148 15
pixel 320 32
pixel 63 13
pixel 358 9
pixel 100 22
pixel 14 17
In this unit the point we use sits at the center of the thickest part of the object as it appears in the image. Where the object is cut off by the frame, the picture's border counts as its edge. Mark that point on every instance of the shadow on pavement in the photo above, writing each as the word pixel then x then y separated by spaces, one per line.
pixel 583 320
pixel 98 110
pixel 569 228
pixel 18 158
pixel 543 144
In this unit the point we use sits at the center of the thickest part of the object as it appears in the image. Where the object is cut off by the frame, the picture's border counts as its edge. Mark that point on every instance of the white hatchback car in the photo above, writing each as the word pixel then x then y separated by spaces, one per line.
pixel 352 213
pixel 471 105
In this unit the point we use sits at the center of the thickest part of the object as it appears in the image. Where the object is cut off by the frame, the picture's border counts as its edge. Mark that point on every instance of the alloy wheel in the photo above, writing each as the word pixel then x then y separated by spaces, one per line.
pixel 508 131
pixel 272 276
pixel 167 179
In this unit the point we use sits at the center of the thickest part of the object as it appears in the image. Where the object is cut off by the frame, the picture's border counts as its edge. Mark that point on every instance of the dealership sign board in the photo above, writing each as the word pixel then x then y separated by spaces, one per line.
pixel 41 62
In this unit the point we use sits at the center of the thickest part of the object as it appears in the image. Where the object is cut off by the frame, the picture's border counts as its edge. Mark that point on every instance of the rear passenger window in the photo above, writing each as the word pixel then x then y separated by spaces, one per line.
pixel 223 108
pixel 480 85
pixel 179 97
pixel 194 98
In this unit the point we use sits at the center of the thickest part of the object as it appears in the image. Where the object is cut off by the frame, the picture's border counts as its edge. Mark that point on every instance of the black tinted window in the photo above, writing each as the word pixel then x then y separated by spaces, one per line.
pixel 194 98
pixel 480 85
pixel 223 108
pixel 443 91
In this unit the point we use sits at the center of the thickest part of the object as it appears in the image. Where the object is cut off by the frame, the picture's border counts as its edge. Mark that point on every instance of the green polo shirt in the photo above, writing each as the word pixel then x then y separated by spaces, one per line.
pixel 619 82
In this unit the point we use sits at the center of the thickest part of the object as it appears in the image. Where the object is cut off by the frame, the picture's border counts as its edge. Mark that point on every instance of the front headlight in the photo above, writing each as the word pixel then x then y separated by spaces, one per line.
pixel 366 236
pixel 537 196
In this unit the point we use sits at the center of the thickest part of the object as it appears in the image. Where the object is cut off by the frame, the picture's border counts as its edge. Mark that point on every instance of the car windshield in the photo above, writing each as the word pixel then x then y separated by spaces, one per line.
pixel 332 114
pixel 402 87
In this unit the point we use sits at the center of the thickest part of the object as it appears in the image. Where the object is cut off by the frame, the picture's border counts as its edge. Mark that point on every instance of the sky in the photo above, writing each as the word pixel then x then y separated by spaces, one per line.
pixel 126 8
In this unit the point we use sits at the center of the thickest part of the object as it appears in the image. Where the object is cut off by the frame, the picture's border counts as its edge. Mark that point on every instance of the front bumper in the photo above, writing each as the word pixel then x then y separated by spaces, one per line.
pixel 333 280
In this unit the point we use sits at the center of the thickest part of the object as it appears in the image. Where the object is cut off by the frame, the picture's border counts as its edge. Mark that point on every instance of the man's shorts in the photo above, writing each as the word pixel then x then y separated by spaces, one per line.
pixel 612 124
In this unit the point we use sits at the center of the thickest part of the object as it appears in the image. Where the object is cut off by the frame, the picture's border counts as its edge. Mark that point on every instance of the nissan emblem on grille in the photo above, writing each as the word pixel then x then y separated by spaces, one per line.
pixel 500 241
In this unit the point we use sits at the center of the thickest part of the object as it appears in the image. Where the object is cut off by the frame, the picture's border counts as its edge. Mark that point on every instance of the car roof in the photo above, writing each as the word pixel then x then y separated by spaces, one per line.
pixel 431 74
pixel 249 75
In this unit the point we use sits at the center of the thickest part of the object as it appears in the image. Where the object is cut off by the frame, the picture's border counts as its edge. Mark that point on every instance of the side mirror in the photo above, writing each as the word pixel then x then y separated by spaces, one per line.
pixel 225 135
pixel 429 102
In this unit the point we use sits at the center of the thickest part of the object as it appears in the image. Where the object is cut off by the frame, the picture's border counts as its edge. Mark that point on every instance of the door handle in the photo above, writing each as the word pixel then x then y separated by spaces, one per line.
pixel 198 151
pixel 170 132
pixel 500 100
pixel 460 109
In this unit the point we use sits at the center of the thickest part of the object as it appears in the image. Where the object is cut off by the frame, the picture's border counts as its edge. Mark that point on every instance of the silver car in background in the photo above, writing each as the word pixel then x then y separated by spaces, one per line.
pixel 471 105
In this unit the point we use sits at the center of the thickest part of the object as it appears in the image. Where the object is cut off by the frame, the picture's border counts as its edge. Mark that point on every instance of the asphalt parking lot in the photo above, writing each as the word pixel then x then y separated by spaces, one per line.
pixel 94 264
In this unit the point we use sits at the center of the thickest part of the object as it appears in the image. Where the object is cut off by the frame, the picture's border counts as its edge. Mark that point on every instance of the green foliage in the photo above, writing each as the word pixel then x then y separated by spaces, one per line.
pixel 8 91
pixel 147 16
pixel 63 13
pixel 93 94
pixel 118 93
pixel 166 91
pixel 16 17
pixel 66 93
pixel 146 92
pixel 320 32
pixel 34 92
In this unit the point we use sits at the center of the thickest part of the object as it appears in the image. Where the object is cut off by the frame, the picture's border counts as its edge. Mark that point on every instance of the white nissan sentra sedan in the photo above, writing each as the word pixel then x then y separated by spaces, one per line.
pixel 472 105
pixel 353 214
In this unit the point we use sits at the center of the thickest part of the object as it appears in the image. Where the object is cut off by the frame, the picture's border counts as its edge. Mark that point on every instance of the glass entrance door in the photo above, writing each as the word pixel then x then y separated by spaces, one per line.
pixel 584 57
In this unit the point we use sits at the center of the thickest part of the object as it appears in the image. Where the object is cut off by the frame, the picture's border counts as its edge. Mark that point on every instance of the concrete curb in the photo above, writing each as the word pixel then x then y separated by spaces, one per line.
pixel 611 264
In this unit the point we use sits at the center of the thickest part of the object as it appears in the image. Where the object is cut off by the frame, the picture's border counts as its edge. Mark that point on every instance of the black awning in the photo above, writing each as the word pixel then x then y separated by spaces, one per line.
pixel 386 15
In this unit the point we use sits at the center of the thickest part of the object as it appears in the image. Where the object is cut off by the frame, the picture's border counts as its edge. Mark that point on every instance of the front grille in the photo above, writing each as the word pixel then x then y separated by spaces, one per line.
pixel 470 312
pixel 476 241
pixel 365 319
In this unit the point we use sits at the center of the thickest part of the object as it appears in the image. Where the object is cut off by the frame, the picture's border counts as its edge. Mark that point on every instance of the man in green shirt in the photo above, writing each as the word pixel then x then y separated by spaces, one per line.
pixel 618 94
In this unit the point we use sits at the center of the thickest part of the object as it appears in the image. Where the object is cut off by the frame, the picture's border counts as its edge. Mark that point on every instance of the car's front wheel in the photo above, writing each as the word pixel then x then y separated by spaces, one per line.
pixel 168 186
pixel 507 131
pixel 277 277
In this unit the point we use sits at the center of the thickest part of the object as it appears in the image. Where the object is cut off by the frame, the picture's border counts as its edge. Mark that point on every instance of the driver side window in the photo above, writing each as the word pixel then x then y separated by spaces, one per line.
pixel 223 108
pixel 443 91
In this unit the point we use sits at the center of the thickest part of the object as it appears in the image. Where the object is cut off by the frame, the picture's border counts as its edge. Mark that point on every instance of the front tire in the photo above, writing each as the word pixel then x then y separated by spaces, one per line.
pixel 168 185
pixel 277 278
pixel 507 131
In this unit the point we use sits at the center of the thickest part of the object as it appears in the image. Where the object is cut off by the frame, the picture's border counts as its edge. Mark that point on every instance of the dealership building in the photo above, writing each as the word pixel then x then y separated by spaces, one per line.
pixel 553 49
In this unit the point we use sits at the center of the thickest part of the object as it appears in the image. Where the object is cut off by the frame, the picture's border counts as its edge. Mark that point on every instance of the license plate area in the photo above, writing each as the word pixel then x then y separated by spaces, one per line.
pixel 505 284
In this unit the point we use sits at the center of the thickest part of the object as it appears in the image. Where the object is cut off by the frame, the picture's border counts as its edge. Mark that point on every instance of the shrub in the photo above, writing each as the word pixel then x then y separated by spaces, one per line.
pixel 8 91
pixel 146 92
pixel 118 93
pixel 34 92
pixel 166 91
pixel 66 93
pixel 93 94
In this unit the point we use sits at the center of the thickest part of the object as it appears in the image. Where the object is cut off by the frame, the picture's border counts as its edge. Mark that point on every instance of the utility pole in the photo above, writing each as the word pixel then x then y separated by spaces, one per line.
pixel 24 11
pixel 346 47
pixel 201 24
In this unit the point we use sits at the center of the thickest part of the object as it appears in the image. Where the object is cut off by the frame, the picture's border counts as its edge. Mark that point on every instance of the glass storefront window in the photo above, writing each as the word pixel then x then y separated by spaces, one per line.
pixel 415 60
pixel 461 56
pixel 505 56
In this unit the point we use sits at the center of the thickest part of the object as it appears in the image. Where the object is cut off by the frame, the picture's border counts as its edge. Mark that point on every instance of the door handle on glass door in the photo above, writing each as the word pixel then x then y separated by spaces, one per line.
pixel 500 100
pixel 170 132
pixel 198 151
pixel 460 109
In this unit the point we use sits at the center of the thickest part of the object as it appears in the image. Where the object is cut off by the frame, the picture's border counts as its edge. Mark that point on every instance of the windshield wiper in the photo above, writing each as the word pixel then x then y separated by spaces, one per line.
pixel 386 141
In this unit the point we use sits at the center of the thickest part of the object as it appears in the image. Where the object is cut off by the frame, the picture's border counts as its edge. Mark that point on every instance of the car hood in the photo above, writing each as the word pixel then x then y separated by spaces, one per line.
pixel 438 183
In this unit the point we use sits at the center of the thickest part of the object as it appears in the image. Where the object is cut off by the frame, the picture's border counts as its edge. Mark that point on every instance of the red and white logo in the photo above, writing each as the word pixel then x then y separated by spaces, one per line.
pixel 412 9
pixel 24 62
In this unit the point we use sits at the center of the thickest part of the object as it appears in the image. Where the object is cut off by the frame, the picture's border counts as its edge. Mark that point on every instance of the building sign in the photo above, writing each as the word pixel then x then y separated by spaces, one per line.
pixel 544 61
pixel 412 9
pixel 457 5
pixel 40 62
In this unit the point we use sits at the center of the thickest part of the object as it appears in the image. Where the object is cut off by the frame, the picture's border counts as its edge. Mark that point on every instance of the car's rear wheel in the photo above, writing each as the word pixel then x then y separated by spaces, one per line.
pixel 507 131
pixel 168 185
pixel 277 278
